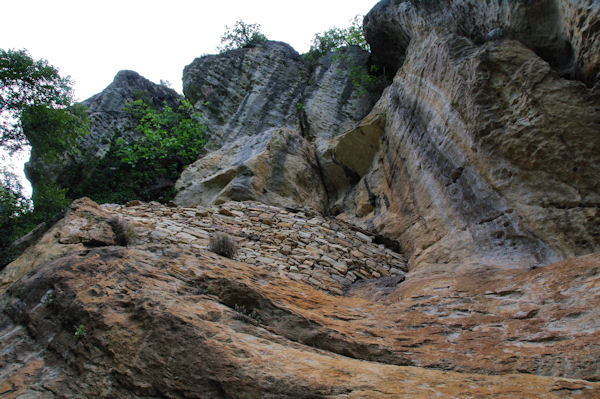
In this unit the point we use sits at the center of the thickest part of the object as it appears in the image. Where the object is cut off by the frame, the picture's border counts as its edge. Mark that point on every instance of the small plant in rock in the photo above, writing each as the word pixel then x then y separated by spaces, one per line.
pixel 124 232
pixel 81 332
pixel 249 316
pixel 222 244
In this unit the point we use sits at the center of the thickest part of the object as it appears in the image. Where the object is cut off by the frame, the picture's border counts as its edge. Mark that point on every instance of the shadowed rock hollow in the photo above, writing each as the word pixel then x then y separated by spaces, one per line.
pixel 436 238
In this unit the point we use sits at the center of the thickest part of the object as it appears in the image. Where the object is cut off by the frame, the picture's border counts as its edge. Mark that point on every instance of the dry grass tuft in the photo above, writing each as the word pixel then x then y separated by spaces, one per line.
pixel 223 245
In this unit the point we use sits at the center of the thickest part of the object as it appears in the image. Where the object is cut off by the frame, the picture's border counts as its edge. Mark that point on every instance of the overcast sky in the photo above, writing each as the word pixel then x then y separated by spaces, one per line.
pixel 92 41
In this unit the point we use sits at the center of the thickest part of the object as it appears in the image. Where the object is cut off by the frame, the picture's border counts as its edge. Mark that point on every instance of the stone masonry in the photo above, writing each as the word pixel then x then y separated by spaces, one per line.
pixel 324 252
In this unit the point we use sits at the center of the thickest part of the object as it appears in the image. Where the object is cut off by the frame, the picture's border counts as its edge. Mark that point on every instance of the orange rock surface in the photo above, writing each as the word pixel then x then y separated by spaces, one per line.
pixel 169 320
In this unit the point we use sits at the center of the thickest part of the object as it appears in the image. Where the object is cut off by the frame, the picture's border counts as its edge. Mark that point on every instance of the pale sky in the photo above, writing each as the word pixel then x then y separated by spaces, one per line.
pixel 92 41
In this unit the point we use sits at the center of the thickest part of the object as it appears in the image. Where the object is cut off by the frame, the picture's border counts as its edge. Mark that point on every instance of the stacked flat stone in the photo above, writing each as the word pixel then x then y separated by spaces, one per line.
pixel 301 244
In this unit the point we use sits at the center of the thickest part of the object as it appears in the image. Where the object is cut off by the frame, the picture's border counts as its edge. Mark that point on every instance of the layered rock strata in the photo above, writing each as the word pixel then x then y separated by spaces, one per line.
pixel 296 243
pixel 164 317
pixel 484 147
pixel 277 167
pixel 251 97
pixel 489 149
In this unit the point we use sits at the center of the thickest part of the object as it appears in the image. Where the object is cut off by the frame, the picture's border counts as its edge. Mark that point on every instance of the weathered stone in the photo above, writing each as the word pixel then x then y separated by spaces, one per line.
pixel 536 330
pixel 489 152
pixel 276 166
pixel 246 95
pixel 108 121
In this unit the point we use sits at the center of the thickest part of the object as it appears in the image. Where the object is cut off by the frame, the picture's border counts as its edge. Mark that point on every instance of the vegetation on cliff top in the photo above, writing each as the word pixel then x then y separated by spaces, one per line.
pixel 364 78
pixel 334 39
pixel 240 35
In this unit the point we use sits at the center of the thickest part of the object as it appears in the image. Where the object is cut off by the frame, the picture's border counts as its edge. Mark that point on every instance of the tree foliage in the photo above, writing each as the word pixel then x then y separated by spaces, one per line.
pixel 364 78
pixel 52 131
pixel 336 38
pixel 26 83
pixel 169 136
pixel 35 108
pixel 241 35
pixel 13 205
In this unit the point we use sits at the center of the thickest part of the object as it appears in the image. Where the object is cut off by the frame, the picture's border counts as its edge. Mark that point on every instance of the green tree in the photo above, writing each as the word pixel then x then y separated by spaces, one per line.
pixel 17 214
pixel 336 38
pixel 169 136
pixel 54 131
pixel 364 78
pixel 35 109
pixel 26 83
pixel 145 167
pixel 13 207
pixel 241 35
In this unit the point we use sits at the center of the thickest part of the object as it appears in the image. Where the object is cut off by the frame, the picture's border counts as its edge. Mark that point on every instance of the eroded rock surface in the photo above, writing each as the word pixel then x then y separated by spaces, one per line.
pixel 489 150
pixel 276 166
pixel 270 118
pixel 164 317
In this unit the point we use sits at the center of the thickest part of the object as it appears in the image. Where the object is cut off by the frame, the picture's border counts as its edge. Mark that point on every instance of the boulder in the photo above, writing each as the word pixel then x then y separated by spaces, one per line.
pixel 276 166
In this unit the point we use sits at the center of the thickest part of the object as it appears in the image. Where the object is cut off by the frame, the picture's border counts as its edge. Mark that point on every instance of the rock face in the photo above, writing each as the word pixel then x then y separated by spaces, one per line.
pixel 439 238
pixel 276 166
pixel 488 151
pixel 108 121
pixel 271 116
pixel 484 147
pixel 246 91
pixel 164 317
pixel 105 109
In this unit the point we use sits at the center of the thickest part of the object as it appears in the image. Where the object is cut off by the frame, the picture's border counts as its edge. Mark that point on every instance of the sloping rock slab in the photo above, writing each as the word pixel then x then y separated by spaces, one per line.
pixel 155 320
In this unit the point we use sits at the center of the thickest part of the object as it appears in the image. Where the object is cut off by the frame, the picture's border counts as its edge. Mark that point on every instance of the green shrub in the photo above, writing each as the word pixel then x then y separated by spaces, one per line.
pixel 80 332
pixel 168 135
pixel 364 78
pixel 170 138
pixel 336 38
pixel 241 35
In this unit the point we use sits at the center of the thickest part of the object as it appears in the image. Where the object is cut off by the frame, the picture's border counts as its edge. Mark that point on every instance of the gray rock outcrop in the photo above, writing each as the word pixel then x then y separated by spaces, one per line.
pixel 270 118
pixel 108 121
pixel 107 116
pixel 276 166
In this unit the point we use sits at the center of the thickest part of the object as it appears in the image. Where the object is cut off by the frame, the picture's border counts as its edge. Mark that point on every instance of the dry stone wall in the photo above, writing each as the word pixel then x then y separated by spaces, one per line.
pixel 298 243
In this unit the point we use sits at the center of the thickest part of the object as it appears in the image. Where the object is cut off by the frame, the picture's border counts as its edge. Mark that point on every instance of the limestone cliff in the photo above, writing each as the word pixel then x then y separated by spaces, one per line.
pixel 438 237
pixel 490 146
pixel 484 147
pixel 270 115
